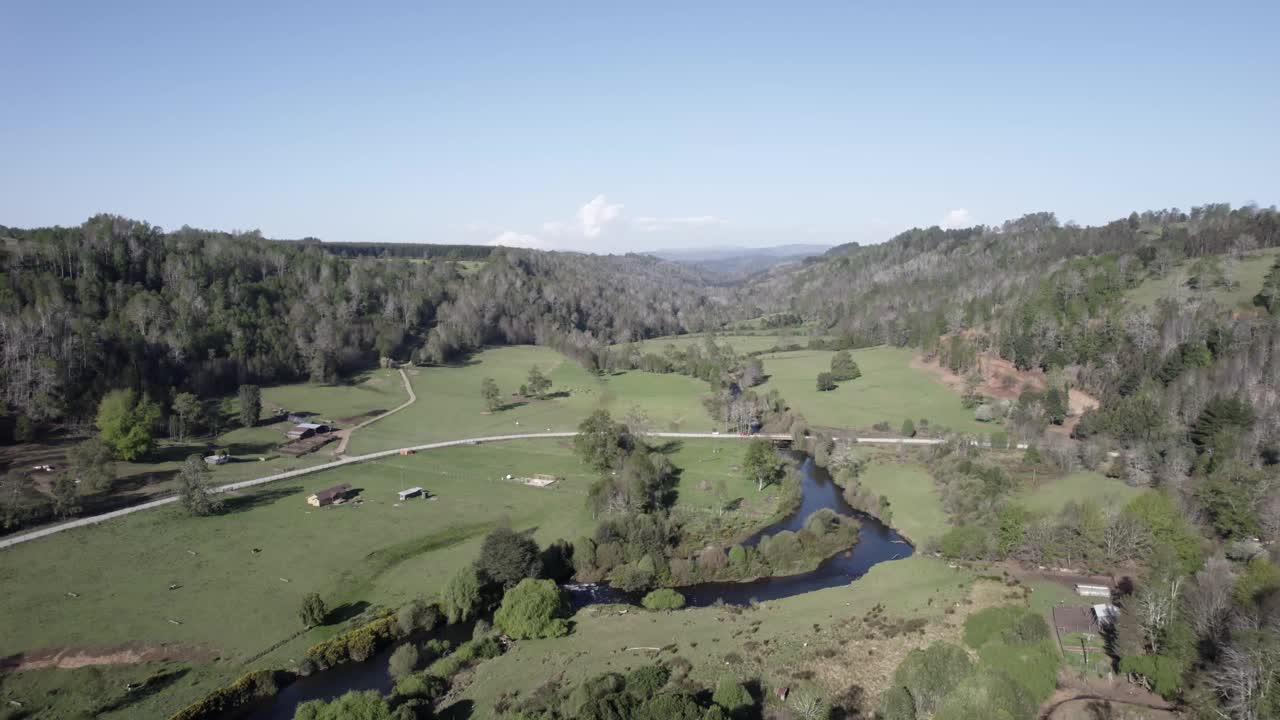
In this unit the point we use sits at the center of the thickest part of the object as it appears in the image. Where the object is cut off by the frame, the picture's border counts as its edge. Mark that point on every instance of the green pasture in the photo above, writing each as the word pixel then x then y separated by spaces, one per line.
pixel 1051 496
pixel 889 390
pixel 917 508
pixel 450 406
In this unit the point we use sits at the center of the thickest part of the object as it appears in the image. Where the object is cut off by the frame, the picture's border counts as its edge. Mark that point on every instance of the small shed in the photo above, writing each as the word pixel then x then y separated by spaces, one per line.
pixel 317 428
pixel 411 492
pixel 217 458
pixel 329 496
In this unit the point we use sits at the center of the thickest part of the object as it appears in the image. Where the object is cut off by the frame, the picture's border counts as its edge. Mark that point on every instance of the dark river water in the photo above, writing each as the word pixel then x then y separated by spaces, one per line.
pixel 876 544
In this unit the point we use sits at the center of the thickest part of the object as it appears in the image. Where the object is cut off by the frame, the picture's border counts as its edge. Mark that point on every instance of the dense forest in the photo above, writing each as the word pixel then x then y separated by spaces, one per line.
pixel 117 303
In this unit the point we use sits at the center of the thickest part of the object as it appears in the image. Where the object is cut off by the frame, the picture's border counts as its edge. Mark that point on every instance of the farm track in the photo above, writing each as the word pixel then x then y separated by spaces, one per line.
pixel 244 484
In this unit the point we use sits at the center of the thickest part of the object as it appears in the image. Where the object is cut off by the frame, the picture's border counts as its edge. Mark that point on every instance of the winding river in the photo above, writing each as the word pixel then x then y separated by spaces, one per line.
pixel 877 543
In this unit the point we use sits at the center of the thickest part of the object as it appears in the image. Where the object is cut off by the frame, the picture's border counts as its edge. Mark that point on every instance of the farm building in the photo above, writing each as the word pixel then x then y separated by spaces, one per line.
pixel 219 458
pixel 329 496
pixel 305 430
pixel 411 492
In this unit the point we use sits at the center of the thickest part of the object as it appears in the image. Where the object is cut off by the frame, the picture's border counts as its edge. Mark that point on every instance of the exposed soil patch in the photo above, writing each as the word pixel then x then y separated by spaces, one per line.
pixel 1001 380
pixel 1075 696
pixel 70 658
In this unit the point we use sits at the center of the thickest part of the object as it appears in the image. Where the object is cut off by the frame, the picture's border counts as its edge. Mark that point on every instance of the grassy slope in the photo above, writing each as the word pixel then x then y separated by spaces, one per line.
pixel 888 390
pixel 449 404
pixel 1249 273
pixel 1051 496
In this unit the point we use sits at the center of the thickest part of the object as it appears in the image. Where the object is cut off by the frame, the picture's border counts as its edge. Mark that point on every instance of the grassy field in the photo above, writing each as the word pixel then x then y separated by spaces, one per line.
pixel 235 603
pixel 450 406
pixel 774 641
pixel 1248 273
pixel 917 509
pixel 889 390
pixel 1051 496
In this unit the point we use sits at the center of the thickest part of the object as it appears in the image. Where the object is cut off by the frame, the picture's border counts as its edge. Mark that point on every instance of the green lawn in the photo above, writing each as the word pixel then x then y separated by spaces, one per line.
pixel 889 390
pixel 368 393
pixel 1247 272
pixel 1050 497
pixel 449 404
pixel 917 509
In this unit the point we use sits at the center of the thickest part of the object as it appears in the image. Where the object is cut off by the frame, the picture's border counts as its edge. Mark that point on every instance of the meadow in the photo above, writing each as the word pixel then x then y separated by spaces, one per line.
pixel 238 578
pixel 450 406
pixel 917 508
pixel 740 342
pixel 1247 273
pixel 1051 496
pixel 889 390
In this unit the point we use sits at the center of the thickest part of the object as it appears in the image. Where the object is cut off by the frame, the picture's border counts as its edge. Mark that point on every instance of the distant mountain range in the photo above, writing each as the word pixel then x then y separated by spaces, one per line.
pixel 730 263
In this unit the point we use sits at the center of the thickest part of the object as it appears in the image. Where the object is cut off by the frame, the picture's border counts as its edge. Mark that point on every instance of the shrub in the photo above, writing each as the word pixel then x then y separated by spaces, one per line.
pixel 826 382
pixel 734 698
pixel 645 681
pixel 738 556
pixel 224 701
pixel 358 644
pixel 417 615
pixel 930 674
pixel 669 706
pixel 404 661
pixel 467 653
pixel 312 611
pixel 984 413
pixel 989 624
pixel 663 599
pixel 365 705
pixel 967 542
pixel 592 689
pixel 533 609
pixel 631 578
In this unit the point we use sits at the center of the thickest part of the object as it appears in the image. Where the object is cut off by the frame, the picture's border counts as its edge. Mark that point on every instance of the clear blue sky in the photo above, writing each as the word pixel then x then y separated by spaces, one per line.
pixel 593 126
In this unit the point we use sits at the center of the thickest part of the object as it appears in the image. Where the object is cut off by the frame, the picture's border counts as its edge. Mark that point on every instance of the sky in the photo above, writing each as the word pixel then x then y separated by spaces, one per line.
pixel 609 127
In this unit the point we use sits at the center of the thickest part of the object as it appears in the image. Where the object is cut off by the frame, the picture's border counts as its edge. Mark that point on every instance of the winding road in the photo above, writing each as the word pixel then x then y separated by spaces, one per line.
pixel 96 519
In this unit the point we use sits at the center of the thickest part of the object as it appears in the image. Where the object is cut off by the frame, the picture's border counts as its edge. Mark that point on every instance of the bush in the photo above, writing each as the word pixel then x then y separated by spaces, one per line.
pixel 738 556
pixel 467 653
pixel 967 542
pixel 826 382
pixel 631 578
pixel 930 674
pixel 533 609
pixel 669 706
pixel 663 599
pixel 646 681
pixel 417 615
pixel 990 624
pixel 224 701
pixel 734 698
pixel 984 413
pixel 359 644
pixel 313 611
pixel 404 661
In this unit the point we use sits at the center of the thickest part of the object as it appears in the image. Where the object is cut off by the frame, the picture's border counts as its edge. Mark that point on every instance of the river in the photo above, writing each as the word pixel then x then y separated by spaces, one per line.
pixel 876 544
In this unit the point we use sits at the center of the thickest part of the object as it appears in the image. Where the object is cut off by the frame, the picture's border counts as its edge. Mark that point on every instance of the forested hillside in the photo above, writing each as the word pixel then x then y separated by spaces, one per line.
pixel 121 303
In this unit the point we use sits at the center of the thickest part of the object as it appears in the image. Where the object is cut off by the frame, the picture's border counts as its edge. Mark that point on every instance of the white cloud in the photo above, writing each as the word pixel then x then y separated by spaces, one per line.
pixel 657 224
pixel 595 215
pixel 511 238
pixel 958 218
